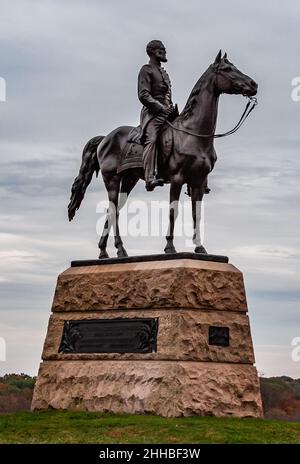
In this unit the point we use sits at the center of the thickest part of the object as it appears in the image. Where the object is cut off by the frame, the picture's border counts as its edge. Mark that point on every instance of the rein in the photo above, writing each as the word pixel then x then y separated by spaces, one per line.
pixel 251 104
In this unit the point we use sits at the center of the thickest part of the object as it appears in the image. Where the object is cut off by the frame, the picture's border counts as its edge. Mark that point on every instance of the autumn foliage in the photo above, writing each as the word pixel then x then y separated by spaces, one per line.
pixel 16 392
pixel 281 398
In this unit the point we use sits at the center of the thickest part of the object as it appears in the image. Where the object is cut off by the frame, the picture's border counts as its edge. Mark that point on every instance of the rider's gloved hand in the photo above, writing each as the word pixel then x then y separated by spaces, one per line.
pixel 168 110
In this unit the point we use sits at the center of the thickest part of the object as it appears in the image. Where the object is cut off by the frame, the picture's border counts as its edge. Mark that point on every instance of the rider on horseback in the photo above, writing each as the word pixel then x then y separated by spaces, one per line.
pixel 154 92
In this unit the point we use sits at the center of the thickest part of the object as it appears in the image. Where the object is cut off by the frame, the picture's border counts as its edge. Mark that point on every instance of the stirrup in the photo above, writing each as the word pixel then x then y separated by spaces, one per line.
pixel 151 184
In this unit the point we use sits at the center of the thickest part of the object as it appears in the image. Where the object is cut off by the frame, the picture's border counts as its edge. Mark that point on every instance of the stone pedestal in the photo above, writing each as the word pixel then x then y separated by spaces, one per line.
pixel 203 359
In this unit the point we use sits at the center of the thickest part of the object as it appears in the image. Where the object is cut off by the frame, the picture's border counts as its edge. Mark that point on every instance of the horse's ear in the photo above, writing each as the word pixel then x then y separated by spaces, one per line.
pixel 225 56
pixel 218 57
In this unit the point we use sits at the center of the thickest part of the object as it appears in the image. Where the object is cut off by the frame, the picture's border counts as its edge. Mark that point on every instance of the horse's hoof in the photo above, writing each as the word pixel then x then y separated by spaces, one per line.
pixel 122 253
pixel 170 250
pixel 200 249
pixel 103 254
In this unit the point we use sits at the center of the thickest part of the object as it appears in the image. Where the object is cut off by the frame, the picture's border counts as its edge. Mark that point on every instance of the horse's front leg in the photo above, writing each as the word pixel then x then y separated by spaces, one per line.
pixel 175 190
pixel 197 195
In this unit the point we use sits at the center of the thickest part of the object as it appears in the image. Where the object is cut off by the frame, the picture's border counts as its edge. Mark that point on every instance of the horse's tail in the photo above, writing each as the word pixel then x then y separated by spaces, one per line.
pixel 88 166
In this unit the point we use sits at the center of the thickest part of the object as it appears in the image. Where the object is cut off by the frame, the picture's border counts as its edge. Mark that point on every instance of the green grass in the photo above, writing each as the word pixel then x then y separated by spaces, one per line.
pixel 88 427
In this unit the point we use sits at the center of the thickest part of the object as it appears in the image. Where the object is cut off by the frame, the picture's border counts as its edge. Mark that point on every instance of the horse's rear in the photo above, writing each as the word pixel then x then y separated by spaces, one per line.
pixel 110 150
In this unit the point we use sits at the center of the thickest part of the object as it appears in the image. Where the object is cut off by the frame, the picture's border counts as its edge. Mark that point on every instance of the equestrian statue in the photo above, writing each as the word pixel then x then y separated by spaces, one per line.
pixel 167 147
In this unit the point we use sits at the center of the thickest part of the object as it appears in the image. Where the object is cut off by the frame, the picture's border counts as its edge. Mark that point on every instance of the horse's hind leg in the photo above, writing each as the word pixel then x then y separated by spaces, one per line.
pixel 129 180
pixel 103 240
pixel 112 184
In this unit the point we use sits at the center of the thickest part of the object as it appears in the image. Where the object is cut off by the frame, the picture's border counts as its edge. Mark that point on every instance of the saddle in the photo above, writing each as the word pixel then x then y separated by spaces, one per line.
pixel 132 152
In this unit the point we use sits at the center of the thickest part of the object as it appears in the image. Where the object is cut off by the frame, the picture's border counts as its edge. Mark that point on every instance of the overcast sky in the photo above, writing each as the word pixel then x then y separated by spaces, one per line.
pixel 71 73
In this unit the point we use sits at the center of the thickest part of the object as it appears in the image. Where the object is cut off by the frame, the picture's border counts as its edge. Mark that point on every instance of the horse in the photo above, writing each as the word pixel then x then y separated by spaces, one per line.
pixel 188 160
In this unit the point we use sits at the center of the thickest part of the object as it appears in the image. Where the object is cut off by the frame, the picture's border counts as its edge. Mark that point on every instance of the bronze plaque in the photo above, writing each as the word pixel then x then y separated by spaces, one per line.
pixel 119 335
pixel 218 336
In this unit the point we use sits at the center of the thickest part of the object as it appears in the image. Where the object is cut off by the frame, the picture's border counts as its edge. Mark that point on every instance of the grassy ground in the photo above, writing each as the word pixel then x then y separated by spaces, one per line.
pixel 84 427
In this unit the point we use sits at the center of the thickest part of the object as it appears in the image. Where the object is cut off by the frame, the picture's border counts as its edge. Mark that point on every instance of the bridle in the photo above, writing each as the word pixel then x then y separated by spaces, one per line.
pixel 251 104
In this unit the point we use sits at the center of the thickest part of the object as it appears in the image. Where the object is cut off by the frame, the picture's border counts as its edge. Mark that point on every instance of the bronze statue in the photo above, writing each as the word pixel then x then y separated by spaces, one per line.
pixel 185 147
pixel 154 91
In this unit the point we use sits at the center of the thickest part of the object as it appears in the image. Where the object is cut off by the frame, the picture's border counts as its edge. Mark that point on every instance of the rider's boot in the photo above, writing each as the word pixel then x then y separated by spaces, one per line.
pixel 153 182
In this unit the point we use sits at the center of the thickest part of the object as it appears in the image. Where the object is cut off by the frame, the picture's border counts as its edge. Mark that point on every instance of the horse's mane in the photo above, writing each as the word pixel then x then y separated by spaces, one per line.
pixel 187 110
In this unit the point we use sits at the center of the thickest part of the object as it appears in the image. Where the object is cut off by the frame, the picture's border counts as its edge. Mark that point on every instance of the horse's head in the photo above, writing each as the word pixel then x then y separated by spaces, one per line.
pixel 230 80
